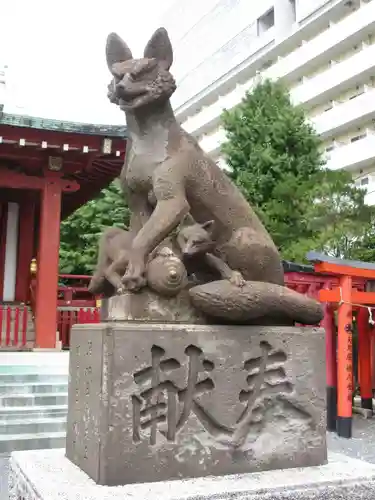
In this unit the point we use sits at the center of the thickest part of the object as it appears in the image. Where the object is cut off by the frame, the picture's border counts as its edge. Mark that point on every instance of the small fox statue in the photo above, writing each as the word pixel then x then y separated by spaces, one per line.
pixel 192 244
pixel 197 247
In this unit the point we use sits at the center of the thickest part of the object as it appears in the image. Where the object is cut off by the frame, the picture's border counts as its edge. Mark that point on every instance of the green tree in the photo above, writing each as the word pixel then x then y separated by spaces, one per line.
pixel 364 248
pixel 336 216
pixel 274 156
pixel 80 232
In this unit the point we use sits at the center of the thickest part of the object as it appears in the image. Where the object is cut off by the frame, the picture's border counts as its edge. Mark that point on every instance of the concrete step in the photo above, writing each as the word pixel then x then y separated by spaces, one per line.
pixel 33 426
pixel 34 399
pixel 10 413
pixel 33 377
pixel 33 388
pixel 33 441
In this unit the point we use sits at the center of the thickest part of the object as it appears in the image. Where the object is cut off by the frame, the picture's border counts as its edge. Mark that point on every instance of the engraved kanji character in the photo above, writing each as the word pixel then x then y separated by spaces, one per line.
pixel 155 397
pixel 161 399
pixel 195 387
pixel 266 379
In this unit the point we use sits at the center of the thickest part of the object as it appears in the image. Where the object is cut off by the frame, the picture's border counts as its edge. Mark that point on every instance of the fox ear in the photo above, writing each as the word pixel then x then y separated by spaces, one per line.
pixel 159 47
pixel 208 226
pixel 116 50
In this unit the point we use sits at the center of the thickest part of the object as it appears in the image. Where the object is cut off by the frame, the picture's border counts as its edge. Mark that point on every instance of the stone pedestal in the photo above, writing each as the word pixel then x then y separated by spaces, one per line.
pixel 153 402
pixel 48 475
pixel 147 305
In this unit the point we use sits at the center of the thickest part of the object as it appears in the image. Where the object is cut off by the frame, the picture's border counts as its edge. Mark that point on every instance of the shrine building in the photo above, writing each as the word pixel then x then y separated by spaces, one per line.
pixel 48 169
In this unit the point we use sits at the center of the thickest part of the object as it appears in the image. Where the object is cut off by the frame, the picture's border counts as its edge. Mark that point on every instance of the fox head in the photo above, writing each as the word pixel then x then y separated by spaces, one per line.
pixel 138 82
pixel 195 239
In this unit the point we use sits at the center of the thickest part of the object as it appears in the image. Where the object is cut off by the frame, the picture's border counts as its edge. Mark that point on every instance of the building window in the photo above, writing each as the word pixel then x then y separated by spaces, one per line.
pixel 357 137
pixel 268 64
pixel 364 181
pixel 328 106
pixel 359 90
pixel 266 22
pixel 330 148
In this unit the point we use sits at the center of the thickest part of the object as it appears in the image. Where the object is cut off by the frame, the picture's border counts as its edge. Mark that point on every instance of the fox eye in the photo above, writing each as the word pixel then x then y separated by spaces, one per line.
pixel 138 73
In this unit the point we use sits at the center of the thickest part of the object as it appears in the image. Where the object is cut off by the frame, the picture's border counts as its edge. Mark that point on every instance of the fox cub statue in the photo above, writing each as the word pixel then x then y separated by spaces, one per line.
pixel 192 244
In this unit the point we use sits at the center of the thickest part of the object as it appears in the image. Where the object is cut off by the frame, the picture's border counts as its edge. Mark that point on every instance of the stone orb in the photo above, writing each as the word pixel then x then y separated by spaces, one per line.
pixel 166 274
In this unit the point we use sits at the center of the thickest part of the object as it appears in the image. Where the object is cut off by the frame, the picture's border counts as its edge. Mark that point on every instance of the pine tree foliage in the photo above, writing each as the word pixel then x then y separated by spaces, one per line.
pixel 274 155
pixel 81 231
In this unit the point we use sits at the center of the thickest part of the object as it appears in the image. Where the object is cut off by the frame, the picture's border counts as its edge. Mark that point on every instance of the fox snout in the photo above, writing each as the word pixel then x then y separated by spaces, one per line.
pixel 187 251
pixel 126 88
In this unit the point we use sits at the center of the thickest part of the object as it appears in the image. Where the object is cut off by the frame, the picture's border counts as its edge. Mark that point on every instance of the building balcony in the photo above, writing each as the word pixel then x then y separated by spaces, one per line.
pixel 254 57
pixel 305 8
pixel 209 117
pixel 310 55
pixel 327 85
pixel 209 71
pixel 211 143
pixel 332 42
pixel 354 156
pixel 350 114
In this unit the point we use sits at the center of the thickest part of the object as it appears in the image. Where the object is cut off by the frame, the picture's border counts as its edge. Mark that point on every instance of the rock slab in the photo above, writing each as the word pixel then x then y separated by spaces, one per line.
pixel 153 402
pixel 49 475
pixel 148 306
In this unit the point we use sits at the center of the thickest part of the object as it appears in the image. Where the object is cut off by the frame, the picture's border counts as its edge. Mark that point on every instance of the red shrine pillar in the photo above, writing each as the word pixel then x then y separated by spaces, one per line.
pixel 364 358
pixel 328 324
pixel 48 263
pixel 25 248
pixel 345 360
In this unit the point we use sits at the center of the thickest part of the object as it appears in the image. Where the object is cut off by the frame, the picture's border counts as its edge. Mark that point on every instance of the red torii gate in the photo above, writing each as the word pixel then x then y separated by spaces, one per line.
pixel 339 360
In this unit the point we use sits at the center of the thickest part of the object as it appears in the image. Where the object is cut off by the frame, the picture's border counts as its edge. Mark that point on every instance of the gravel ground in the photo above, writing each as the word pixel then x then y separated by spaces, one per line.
pixel 361 446
pixel 4 476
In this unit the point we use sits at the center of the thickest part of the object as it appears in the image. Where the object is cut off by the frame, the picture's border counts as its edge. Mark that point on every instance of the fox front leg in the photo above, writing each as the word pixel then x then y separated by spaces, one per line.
pixel 114 272
pixel 166 216
pixel 235 277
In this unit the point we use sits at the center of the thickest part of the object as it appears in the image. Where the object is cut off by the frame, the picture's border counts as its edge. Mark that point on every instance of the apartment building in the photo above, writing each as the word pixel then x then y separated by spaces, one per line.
pixel 324 50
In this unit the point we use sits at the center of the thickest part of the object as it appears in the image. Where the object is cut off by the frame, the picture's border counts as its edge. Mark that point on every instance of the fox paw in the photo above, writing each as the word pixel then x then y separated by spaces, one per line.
pixel 236 279
pixel 120 290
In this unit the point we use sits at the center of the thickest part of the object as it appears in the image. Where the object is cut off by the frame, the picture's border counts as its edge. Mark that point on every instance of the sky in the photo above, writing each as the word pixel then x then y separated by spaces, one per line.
pixel 55 53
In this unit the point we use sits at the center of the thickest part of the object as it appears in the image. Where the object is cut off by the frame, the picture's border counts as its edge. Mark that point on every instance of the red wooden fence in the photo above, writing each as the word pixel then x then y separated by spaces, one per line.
pixel 67 318
pixel 14 320
pixel 13 326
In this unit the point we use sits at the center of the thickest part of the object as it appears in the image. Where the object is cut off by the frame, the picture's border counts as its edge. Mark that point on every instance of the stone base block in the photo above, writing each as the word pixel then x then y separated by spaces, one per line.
pixel 48 475
pixel 153 402
pixel 151 307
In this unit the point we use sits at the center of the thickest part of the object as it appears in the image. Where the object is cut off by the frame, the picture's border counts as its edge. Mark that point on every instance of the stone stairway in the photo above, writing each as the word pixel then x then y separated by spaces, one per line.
pixel 33 403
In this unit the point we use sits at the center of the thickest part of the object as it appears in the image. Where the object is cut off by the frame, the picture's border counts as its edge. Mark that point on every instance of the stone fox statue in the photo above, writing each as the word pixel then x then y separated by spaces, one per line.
pixel 192 244
pixel 164 160
pixel 196 247
pixel 113 259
